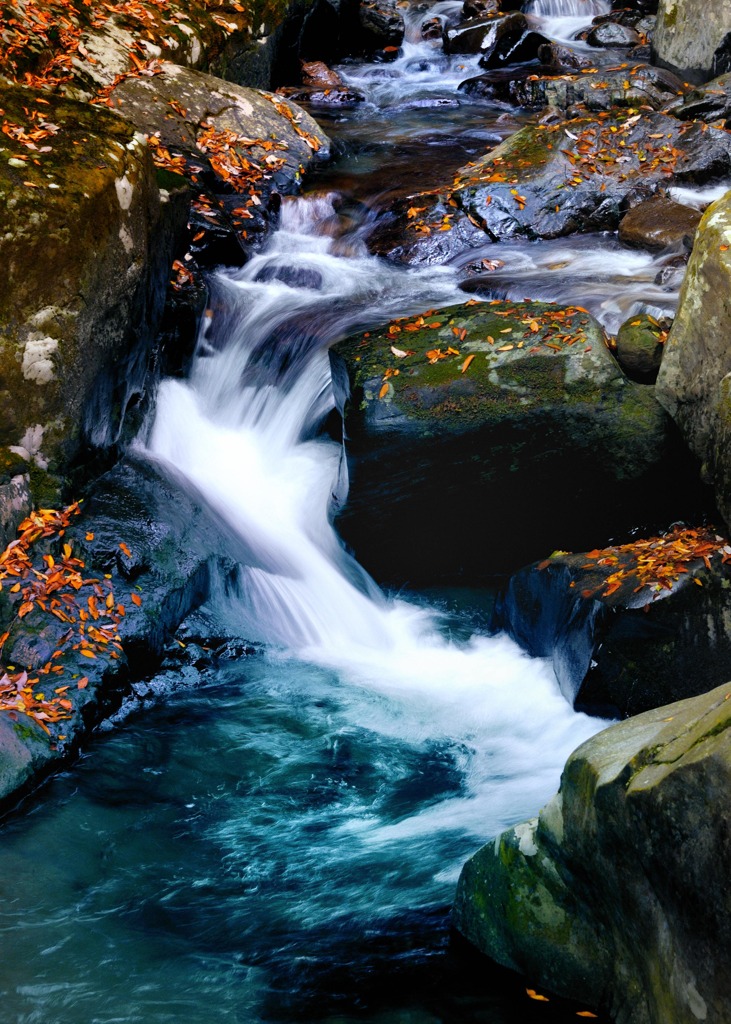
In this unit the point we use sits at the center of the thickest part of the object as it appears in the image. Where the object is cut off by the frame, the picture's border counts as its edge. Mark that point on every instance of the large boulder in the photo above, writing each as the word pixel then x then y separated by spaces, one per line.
pixel 692 38
pixel 694 383
pixel 86 247
pixel 628 627
pixel 659 223
pixel 639 347
pixel 477 411
pixel 237 145
pixel 581 175
pixel 617 894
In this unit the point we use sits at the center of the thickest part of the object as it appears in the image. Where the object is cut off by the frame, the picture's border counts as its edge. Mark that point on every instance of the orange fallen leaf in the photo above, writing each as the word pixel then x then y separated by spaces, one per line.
pixel 136 599
pixel 532 994
pixel 82 683
pixel 381 394
pixel 466 363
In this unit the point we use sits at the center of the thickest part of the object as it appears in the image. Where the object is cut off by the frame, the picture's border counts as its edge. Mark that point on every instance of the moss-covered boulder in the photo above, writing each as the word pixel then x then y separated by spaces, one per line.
pixel 639 347
pixel 628 627
pixel 694 383
pixel 617 893
pixel 692 37
pixel 86 248
pixel 484 407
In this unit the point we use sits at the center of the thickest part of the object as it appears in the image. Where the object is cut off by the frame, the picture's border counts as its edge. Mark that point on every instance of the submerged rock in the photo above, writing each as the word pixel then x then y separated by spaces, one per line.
pixel 484 410
pixel 605 896
pixel 629 627
pixel 694 383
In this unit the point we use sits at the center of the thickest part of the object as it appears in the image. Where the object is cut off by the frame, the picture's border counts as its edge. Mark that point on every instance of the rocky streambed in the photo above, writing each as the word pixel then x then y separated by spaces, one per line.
pixel 484 291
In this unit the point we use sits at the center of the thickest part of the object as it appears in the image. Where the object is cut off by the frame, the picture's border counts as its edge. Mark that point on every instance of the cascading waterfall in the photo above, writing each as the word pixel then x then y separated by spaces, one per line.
pixel 243 430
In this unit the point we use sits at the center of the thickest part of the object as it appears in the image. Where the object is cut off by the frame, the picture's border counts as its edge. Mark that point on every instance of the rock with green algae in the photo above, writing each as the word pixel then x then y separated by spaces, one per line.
pixel 617 893
pixel 487 406
pixel 86 246
pixel 639 347
pixel 694 382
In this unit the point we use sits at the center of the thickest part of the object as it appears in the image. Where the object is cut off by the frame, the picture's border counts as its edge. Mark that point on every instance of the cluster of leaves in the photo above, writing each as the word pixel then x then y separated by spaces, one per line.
pixel 656 562
pixel 58 587
pixel 543 328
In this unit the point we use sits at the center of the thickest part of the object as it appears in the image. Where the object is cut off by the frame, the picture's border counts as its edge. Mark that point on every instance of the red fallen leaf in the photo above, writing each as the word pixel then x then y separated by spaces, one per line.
pixel 136 599
pixel 82 683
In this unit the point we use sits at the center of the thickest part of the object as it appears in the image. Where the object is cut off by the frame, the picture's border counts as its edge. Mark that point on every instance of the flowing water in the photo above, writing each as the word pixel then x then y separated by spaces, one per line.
pixel 279 839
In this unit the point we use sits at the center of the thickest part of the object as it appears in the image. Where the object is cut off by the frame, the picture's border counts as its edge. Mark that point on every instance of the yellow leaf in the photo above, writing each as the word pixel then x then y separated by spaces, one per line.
pixel 532 994
pixel 88 654
pixel 587 1013
pixel 381 394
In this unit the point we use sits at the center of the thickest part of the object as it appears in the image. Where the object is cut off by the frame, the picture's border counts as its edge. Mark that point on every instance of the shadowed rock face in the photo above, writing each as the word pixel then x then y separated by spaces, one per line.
pixel 617 893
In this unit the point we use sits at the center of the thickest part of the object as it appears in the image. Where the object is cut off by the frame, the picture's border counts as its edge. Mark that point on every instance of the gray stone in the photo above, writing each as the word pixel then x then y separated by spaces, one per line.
pixel 692 37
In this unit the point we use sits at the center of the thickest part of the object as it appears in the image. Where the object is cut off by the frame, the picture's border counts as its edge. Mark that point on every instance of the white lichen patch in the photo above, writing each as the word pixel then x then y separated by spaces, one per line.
pixel 126 239
pixel 525 833
pixel 37 361
pixel 125 190
pixel 30 446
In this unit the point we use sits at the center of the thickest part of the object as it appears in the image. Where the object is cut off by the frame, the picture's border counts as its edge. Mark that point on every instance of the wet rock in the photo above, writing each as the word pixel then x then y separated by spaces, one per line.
pixel 435 438
pixel 613 34
pixel 629 627
pixel 424 231
pixel 381 25
pixel 86 249
pixel 659 223
pixel 15 496
pixel 486 35
pixel 581 175
pixel 155 549
pixel 317 97
pixel 710 103
pixel 196 118
pixel 640 86
pixel 640 346
pixel 694 383
pixel 693 39
pixel 478 8
pixel 556 55
pixel 320 76
pixel 432 28
pixel 612 879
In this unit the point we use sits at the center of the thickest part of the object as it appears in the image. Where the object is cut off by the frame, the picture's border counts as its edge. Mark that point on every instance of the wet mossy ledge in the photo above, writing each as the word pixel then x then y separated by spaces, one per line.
pixel 472 411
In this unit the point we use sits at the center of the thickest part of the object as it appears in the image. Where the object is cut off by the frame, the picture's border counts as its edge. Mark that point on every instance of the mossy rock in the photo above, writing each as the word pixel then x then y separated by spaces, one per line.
pixel 639 347
pixel 86 250
pixel 611 883
pixel 484 406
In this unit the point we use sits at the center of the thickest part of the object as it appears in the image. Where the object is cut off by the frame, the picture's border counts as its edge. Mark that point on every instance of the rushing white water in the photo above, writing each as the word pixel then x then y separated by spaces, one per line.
pixel 243 429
